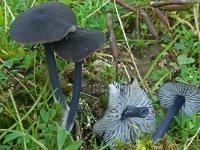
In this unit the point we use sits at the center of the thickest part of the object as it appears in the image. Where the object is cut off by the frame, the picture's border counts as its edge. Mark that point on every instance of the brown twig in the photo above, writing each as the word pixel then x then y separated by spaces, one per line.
pixel 125 5
pixel 166 3
pixel 146 18
pixel 162 17
pixel 149 24
pixel 137 25
pixel 177 7
pixel 164 143
pixel 112 41
pixel 195 36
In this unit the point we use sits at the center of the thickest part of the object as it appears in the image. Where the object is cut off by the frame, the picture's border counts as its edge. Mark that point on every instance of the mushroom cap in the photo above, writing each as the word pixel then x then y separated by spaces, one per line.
pixel 79 44
pixel 168 92
pixel 112 127
pixel 44 23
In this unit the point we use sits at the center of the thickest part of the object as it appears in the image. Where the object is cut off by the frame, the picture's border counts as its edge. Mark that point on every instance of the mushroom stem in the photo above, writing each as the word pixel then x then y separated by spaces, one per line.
pixel 173 110
pixel 76 95
pixel 130 111
pixel 53 75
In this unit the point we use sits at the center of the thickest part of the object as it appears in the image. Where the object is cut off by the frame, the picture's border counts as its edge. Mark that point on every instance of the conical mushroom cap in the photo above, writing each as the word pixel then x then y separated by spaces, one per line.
pixel 79 44
pixel 168 92
pixel 44 23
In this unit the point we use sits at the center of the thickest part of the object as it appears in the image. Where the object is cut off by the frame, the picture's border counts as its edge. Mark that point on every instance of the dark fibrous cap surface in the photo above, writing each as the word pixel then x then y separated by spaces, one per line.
pixel 44 23
pixel 79 44
pixel 168 92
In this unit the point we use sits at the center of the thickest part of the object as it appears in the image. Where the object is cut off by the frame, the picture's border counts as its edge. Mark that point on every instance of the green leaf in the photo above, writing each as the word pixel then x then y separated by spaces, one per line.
pixel 9 63
pixel 184 134
pixel 184 60
pixel 142 144
pixel 197 124
pixel 44 115
pixel 5 147
pixel 179 46
pixel 12 136
pixel 61 136
pixel 28 60
pixel 52 113
pixel 180 79
pixel 1 109
pixel 174 65
pixel 42 125
pixel 190 125
pixel 157 75
pixel 74 146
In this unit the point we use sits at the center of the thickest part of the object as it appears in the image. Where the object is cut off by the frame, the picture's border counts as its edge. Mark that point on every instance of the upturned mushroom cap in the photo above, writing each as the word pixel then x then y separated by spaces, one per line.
pixel 168 92
pixel 44 23
pixel 112 126
pixel 79 44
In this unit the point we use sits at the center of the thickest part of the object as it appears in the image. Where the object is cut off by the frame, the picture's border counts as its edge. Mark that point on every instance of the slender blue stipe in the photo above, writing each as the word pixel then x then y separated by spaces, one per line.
pixel 76 95
pixel 53 75
pixel 178 103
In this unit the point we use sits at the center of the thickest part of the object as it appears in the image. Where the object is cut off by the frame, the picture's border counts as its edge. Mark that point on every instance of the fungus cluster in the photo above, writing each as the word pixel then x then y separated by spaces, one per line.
pixel 128 106
pixel 54 25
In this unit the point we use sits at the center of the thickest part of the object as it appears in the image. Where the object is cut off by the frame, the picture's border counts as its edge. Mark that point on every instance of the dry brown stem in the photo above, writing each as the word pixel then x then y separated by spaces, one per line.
pixel 112 40
pixel 125 5
pixel 166 3
pixel 162 18
pixel 149 24
pixel 137 25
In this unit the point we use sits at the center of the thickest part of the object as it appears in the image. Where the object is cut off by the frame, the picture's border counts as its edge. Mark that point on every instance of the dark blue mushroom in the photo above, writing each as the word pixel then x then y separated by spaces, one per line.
pixel 44 24
pixel 75 47
pixel 129 113
pixel 177 97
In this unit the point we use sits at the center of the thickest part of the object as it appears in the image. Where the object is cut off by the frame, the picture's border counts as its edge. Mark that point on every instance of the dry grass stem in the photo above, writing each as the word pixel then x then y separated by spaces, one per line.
pixel 185 148
pixel 196 22
pixel 5 16
pixel 128 47
pixel 129 78
pixel 5 4
pixel 96 10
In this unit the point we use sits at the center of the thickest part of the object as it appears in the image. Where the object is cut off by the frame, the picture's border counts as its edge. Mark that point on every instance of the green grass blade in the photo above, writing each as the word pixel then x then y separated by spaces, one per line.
pixel 167 48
